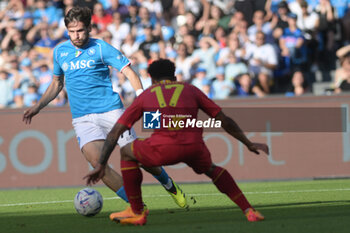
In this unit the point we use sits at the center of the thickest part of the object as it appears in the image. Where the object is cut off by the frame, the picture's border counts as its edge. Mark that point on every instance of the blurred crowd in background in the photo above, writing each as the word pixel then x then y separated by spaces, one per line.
pixel 227 48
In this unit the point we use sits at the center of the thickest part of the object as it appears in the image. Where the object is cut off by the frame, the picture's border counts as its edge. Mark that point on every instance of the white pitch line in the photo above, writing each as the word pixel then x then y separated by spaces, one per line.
pixel 299 191
pixel 189 194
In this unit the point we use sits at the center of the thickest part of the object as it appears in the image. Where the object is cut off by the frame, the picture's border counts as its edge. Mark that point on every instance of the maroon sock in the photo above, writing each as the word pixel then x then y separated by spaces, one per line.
pixel 132 177
pixel 227 185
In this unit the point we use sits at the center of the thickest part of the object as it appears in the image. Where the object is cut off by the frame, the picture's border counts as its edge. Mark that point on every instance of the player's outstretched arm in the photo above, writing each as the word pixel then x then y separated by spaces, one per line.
pixel 134 79
pixel 52 91
pixel 111 141
pixel 231 127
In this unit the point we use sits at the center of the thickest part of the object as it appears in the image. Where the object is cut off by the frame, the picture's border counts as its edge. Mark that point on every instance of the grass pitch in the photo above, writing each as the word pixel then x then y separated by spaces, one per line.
pixel 321 206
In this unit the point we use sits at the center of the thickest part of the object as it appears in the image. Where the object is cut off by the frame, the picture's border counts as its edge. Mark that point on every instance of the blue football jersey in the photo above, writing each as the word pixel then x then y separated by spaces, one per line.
pixel 87 78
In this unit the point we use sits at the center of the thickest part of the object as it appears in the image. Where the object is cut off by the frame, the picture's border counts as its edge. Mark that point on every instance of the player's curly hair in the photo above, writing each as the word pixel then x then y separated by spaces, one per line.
pixel 79 14
pixel 162 69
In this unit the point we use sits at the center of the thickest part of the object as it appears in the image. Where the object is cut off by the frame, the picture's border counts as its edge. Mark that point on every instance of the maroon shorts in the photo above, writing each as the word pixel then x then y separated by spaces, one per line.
pixel 196 155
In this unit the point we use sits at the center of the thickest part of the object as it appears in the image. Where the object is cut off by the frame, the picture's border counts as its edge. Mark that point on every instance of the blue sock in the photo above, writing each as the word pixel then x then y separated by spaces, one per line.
pixel 122 194
pixel 163 178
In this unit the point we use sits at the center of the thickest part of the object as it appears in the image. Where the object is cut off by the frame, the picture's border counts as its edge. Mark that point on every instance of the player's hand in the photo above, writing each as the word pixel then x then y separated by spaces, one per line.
pixel 29 113
pixel 256 147
pixel 95 175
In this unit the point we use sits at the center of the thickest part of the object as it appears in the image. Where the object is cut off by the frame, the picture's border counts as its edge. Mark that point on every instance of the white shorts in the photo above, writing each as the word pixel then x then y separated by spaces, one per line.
pixel 96 126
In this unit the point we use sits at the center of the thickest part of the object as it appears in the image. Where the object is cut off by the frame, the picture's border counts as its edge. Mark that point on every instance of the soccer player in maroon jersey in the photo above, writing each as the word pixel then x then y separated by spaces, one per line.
pixel 171 146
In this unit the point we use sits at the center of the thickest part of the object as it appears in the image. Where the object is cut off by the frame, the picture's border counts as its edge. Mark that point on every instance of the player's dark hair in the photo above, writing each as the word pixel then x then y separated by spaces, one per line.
pixel 79 14
pixel 162 69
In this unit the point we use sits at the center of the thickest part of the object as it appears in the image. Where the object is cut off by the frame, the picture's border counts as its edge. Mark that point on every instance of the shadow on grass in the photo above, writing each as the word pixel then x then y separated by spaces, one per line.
pixel 329 216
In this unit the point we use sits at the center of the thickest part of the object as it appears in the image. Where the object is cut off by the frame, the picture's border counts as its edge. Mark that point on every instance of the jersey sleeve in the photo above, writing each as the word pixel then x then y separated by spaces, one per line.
pixel 133 113
pixel 204 103
pixel 56 66
pixel 113 57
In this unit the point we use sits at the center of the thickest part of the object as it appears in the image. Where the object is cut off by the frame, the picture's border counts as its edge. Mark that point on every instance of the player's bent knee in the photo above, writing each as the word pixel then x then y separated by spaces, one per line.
pixel 210 170
pixel 201 169
pixel 126 153
pixel 93 162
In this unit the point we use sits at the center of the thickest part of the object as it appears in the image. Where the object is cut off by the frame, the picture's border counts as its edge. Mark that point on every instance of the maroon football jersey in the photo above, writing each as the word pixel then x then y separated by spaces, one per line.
pixel 178 104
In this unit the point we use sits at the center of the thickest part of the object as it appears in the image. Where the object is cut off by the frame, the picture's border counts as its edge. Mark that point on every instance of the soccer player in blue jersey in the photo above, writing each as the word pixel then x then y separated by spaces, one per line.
pixel 82 63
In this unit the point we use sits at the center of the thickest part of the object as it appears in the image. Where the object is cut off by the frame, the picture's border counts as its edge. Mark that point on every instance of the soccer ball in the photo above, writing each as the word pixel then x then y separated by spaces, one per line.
pixel 88 202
